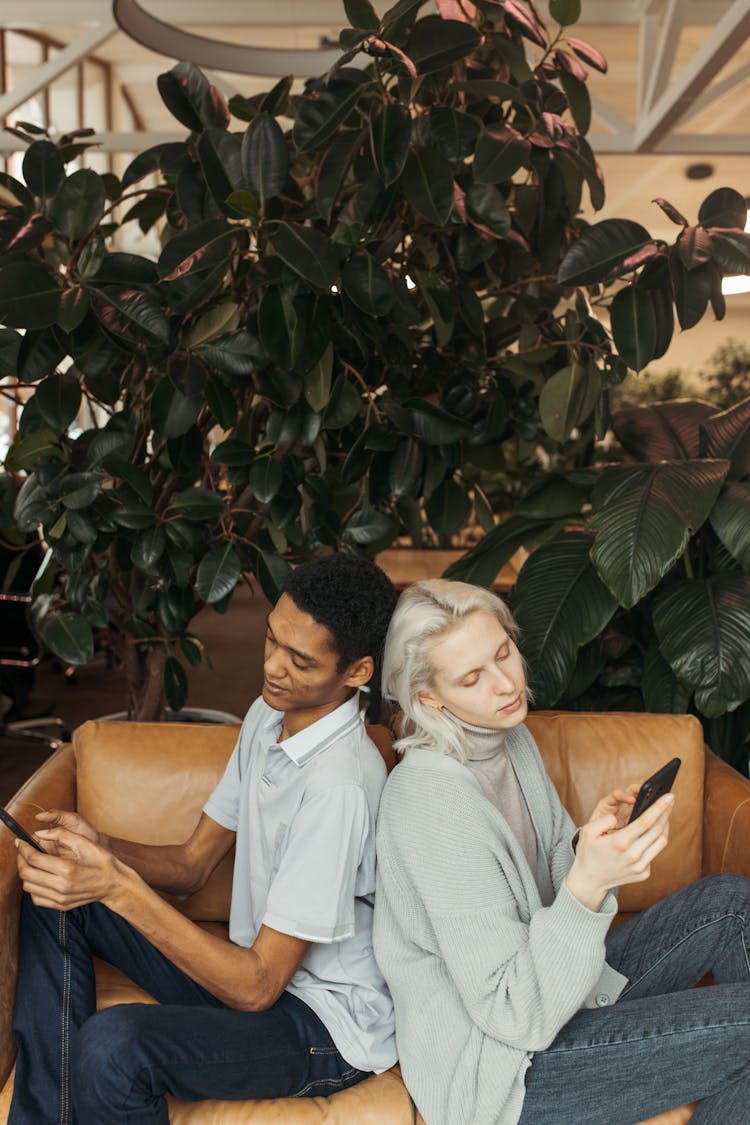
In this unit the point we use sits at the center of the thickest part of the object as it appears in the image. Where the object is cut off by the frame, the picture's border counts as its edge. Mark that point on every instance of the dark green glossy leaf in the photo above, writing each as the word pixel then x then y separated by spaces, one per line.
pixel 198 249
pixel 367 285
pixel 234 453
pixel 74 305
pixel 692 290
pixel 272 572
pixel 79 204
pixel 449 508
pixel 234 354
pixel 10 343
pixel 565 11
pixel 368 526
pixel 405 468
pixel 197 504
pixel 482 564
pixel 265 157
pixel 600 249
pixel 43 168
pixel 436 43
pixel 308 252
pixel 174 682
pixel 69 636
pixel 39 354
pixel 486 206
pixel 702 626
pixel 218 573
pixel 318 381
pixel 219 155
pixel 729 519
pixel 189 97
pixel 453 132
pixel 318 118
pixel 724 207
pixel 662 431
pixel 579 100
pixel 333 170
pixel 390 135
pixel 27 449
pixel 265 478
pixel 131 314
pixel 643 516
pixel 175 608
pixel 221 403
pixel 344 406
pixel 79 490
pixel 634 326
pixel 148 547
pixel 560 604
pixel 499 153
pixel 663 694
pixel 728 435
pixel 428 184
pixel 568 399
pixel 731 249
pixel 361 14
pixel 29 296
pixel 192 650
pixel 59 398
pixel 436 426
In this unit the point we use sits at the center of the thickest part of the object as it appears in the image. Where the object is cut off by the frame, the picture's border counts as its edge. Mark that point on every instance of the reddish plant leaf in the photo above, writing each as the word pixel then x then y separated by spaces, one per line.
pixel 589 54
pixel 671 212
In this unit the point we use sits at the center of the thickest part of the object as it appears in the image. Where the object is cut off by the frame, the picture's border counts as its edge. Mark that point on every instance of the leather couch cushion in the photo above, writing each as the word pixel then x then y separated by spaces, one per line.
pixel 636 745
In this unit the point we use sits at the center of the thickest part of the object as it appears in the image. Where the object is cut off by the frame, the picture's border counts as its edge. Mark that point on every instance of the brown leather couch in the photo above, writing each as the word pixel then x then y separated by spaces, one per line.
pixel 149 781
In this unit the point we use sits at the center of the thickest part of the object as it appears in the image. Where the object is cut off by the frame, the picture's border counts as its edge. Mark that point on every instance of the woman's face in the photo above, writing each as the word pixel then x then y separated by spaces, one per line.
pixel 478 674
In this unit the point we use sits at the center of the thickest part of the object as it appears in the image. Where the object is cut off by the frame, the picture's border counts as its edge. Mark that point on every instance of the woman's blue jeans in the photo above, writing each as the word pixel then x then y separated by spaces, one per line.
pixel 115 1066
pixel 664 1042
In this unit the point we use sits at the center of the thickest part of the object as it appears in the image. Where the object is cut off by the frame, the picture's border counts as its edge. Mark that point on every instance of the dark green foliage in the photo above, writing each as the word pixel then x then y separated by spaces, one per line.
pixel 324 354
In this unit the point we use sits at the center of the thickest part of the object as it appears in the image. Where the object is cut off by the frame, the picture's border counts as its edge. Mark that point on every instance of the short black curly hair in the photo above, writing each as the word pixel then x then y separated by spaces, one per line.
pixel 353 598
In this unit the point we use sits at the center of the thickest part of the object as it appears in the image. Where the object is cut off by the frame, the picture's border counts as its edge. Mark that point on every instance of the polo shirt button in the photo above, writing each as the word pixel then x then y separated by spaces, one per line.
pixel 602 1000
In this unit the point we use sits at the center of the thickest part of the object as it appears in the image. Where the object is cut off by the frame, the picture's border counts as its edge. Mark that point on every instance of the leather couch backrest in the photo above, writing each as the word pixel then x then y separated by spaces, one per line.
pixel 149 781
pixel 588 755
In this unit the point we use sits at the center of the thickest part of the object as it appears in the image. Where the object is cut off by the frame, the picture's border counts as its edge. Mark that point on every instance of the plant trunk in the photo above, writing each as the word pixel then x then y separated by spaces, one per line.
pixel 144 671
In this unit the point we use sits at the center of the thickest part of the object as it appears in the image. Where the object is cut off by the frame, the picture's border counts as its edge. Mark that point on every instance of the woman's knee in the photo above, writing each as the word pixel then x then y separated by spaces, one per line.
pixel 733 891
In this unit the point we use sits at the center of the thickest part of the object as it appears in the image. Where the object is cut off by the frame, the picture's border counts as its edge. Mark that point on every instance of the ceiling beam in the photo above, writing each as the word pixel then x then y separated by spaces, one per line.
pixel 731 31
pixel 663 59
pixel 43 75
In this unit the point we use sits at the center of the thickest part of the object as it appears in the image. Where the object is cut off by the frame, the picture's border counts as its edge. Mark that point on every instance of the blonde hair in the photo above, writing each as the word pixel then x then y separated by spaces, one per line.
pixel 426 611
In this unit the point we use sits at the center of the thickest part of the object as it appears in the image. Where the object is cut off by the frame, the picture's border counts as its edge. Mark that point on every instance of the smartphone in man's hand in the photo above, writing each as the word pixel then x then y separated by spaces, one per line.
pixel 655 787
pixel 12 823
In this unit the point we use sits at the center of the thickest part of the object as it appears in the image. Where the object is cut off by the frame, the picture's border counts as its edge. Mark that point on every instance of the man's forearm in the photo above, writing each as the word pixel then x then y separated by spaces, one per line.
pixel 234 975
pixel 166 867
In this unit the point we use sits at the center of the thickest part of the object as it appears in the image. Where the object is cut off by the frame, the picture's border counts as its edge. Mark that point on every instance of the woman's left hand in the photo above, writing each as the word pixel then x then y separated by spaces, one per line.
pixel 619 804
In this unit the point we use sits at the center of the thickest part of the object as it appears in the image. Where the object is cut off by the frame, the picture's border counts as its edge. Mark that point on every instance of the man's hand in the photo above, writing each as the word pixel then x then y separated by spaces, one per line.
pixel 72 872
pixel 59 818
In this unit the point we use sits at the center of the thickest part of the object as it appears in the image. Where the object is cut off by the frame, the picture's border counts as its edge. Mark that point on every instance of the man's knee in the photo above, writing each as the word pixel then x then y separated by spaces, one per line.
pixel 109 1055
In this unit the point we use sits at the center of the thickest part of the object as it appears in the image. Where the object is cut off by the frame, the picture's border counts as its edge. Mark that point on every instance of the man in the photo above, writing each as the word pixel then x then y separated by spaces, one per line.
pixel 293 1003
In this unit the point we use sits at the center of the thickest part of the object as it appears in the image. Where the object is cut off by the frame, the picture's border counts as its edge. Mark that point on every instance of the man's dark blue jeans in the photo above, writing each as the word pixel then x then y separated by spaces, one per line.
pixel 76 1065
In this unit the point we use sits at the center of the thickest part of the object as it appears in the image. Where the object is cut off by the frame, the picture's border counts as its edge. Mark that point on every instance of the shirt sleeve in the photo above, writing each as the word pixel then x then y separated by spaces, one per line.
pixel 223 805
pixel 312 894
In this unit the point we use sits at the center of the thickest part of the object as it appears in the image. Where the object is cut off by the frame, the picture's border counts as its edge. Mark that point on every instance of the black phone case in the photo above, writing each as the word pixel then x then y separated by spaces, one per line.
pixel 15 827
pixel 655 787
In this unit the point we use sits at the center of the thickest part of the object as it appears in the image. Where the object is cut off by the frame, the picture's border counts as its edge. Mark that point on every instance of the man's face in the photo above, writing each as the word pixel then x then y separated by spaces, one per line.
pixel 300 663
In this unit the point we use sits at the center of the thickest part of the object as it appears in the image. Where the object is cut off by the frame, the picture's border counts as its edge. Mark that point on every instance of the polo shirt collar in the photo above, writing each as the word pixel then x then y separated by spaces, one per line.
pixel 307 744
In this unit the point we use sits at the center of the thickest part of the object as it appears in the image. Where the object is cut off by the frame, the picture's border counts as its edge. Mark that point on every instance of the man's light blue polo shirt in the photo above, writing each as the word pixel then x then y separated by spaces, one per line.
pixel 304 812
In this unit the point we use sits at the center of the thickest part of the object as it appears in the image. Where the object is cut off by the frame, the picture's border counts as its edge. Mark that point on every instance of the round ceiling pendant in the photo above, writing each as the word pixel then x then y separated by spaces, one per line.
pixel 216 54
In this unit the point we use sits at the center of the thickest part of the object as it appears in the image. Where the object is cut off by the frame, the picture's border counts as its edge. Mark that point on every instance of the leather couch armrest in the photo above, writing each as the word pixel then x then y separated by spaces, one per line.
pixel 52 786
pixel 726 819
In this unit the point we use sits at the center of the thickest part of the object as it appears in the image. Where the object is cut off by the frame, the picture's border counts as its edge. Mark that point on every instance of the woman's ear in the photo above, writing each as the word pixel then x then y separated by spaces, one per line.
pixel 429 700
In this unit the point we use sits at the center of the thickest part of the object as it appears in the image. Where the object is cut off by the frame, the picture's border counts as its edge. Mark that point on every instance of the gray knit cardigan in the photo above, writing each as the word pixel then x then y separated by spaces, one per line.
pixel 482 974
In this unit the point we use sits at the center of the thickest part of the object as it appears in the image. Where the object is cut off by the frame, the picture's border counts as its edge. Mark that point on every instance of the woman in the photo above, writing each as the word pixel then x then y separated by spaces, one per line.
pixel 514 1002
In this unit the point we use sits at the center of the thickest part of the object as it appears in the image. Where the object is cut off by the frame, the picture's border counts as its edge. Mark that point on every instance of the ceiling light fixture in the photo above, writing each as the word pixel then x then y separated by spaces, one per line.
pixel 216 54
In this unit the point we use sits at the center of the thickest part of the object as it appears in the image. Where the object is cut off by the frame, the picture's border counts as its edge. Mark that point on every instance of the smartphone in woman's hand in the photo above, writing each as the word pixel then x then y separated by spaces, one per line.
pixel 655 787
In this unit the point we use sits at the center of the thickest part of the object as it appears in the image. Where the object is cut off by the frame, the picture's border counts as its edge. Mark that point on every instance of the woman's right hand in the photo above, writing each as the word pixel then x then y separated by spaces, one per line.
pixel 60 818
pixel 608 856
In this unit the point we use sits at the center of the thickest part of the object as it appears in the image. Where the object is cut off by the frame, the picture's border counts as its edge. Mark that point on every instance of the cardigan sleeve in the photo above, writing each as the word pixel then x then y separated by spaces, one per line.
pixel 520 980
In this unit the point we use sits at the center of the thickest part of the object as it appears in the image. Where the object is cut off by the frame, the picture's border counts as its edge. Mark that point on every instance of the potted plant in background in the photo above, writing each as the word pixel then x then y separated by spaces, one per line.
pixel 351 324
